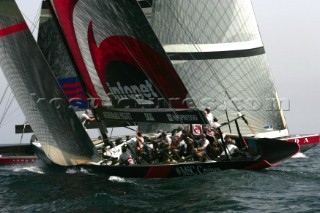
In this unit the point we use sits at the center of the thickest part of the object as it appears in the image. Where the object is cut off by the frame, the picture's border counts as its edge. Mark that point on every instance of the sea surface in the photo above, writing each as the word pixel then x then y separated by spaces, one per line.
pixel 293 186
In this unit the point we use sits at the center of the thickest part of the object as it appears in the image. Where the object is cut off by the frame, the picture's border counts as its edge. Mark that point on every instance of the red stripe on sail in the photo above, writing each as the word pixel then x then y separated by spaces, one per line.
pixel 13 29
pixel 64 11
pixel 72 92
pixel 72 85
pixel 133 52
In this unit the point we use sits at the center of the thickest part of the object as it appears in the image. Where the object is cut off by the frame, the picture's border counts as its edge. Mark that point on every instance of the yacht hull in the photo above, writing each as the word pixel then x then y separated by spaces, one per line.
pixel 305 142
pixel 7 159
pixel 270 152
pixel 17 154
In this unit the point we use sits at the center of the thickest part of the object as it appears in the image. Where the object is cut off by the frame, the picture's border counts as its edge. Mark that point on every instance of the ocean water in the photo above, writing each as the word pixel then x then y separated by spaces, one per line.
pixel 293 186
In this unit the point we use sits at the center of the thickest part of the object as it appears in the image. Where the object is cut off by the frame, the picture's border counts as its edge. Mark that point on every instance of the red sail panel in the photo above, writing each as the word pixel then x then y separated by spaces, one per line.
pixel 117 53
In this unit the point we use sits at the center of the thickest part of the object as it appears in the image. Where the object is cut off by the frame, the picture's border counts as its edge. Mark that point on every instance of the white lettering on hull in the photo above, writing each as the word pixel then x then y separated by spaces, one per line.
pixel 194 170
pixel 118 116
pixel 182 117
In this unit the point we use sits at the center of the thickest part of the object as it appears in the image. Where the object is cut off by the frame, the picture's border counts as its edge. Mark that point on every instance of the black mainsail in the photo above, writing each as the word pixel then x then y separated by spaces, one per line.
pixel 122 63
pixel 55 124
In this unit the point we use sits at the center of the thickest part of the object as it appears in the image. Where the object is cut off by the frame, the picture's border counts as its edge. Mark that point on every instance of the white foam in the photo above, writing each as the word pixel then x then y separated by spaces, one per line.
pixel 300 155
pixel 32 169
pixel 119 179
pixel 74 171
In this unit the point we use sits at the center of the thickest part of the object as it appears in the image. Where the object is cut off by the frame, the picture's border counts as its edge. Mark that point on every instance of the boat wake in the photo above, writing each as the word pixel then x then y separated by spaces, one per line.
pixel 299 155
pixel 75 171
pixel 119 179
pixel 32 169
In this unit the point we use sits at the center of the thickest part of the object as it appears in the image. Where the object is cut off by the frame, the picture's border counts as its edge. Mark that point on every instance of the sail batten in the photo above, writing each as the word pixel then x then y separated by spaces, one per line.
pixel 215 54
pixel 219 47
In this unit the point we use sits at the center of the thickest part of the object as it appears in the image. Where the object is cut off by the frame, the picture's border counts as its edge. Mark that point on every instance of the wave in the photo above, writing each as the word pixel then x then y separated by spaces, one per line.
pixel 32 169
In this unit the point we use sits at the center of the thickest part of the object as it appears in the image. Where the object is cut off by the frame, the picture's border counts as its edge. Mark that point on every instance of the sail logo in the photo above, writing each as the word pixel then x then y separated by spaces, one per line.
pixel 74 92
pixel 129 86
pixel 141 91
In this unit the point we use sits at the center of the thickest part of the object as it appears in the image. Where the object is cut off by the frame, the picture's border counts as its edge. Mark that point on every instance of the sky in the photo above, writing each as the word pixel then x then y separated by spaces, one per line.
pixel 290 30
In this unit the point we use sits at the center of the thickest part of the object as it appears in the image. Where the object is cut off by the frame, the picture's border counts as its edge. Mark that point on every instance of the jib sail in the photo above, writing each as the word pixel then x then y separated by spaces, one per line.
pixel 40 97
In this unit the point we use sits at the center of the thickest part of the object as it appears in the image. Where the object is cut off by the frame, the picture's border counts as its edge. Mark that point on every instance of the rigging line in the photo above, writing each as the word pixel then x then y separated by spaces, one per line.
pixel 5 109
pixel 150 4
pixel 111 132
pixel 12 115
pixel 247 18
pixel 36 20
pixel 168 98
pixel 9 103
pixel 14 112
pixel 267 63
pixel 189 34
pixel 169 104
pixel 33 22
pixel 165 23
pixel 4 93
pixel 215 74
pixel 170 29
pixel 24 127
pixel 127 127
pixel 138 62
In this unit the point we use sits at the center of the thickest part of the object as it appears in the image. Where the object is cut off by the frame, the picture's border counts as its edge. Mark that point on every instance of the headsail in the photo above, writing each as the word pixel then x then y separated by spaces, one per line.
pixel 40 97
pixel 217 51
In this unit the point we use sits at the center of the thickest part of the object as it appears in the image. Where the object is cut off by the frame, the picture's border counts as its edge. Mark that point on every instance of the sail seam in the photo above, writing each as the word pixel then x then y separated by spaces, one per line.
pixel 216 47
pixel 215 55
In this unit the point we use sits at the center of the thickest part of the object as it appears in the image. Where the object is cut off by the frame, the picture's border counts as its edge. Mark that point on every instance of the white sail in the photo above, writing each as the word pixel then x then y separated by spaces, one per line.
pixel 217 51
